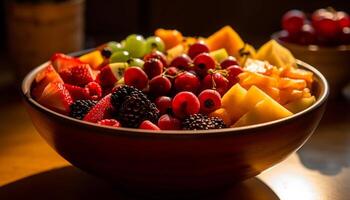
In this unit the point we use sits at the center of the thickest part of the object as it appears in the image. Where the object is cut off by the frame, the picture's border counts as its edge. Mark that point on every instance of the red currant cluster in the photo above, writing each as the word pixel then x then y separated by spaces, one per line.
pixel 327 27
pixel 189 84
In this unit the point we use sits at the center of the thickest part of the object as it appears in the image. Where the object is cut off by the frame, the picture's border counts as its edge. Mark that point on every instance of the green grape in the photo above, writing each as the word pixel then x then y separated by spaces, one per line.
pixel 123 43
pixel 136 62
pixel 114 46
pixel 119 56
pixel 136 45
pixel 154 43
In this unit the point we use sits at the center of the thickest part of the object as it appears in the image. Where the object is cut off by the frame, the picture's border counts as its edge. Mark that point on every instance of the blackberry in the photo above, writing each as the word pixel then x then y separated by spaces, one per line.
pixel 132 107
pixel 80 108
pixel 202 122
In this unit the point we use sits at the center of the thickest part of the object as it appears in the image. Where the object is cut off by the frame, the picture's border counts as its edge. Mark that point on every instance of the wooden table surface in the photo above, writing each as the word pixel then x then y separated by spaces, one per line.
pixel 30 169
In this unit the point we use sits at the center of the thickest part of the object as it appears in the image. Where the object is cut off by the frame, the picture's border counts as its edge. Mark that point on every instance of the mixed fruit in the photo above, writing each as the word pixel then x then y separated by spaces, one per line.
pixel 172 82
pixel 326 27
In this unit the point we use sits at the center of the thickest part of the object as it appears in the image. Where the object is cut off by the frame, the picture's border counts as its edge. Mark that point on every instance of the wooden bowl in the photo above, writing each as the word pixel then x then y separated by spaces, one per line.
pixel 175 160
pixel 332 62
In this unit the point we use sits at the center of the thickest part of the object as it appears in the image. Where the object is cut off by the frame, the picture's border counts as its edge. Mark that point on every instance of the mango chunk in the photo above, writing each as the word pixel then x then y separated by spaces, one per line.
pixel 171 38
pixel 233 101
pixel 300 104
pixel 94 59
pixel 264 111
pixel 223 114
pixel 226 38
pixel 276 55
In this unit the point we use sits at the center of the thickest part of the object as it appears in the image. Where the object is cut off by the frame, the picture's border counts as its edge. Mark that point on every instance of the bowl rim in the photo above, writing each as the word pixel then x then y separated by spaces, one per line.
pixel 311 47
pixel 29 78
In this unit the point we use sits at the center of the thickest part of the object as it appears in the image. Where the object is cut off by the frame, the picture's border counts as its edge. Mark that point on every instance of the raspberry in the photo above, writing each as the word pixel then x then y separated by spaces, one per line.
pixel 109 122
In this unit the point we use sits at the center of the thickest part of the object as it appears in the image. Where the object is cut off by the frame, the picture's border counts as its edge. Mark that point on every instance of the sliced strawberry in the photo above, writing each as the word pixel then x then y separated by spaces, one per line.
pixel 63 62
pixel 78 75
pixel 109 122
pixel 148 125
pixel 55 96
pixel 77 93
pixel 43 78
pixel 100 111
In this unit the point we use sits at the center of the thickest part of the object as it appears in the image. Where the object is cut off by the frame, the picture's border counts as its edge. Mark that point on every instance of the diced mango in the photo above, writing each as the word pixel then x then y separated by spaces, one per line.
pixel 94 59
pixel 233 101
pixel 297 73
pixel 219 55
pixel 288 83
pixel 289 95
pixel 253 96
pixel 174 52
pixel 257 79
pixel 300 104
pixel 171 38
pixel 264 111
pixel 276 55
pixel 223 114
pixel 226 38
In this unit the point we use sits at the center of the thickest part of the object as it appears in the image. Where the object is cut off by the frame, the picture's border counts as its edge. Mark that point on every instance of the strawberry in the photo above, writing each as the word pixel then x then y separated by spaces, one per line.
pixel 63 62
pixel 109 122
pixel 77 93
pixel 77 75
pixel 148 125
pixel 100 111
pixel 56 97
pixel 43 78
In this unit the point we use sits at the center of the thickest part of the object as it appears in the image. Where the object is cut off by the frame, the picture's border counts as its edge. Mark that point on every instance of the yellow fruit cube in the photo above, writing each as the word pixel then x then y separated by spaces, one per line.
pixel 233 101
pixel 300 104
pixel 223 114
pixel 94 59
pixel 276 55
pixel 264 111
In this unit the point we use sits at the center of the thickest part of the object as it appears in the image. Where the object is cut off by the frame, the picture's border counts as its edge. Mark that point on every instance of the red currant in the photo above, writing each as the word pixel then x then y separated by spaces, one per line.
pixel 197 48
pixel 158 55
pixel 135 76
pixel 167 122
pixel 202 63
pixel 217 82
pixel 163 104
pixel 293 20
pixel 233 72
pixel 228 62
pixel 185 104
pixel 187 81
pixel 153 67
pixel 181 62
pixel 210 100
pixel 159 85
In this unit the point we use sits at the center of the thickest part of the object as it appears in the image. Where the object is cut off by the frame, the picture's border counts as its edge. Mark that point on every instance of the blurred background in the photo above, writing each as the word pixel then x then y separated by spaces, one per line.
pixel 29 35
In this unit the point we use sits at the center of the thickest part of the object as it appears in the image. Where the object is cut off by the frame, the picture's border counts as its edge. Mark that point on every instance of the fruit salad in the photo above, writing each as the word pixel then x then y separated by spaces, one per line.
pixel 172 82
pixel 326 27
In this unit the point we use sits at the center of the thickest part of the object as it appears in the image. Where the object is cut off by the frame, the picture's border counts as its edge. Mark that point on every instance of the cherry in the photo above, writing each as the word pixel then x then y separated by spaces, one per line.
pixel 293 20
pixel 185 104
pixel 202 63
pixel 167 122
pixel 217 82
pixel 228 62
pixel 197 48
pixel 158 55
pixel 172 71
pixel 210 100
pixel 343 19
pixel 325 24
pixel 148 125
pixel 233 72
pixel 307 35
pixel 159 85
pixel 153 67
pixel 163 104
pixel 181 62
pixel 187 81
pixel 135 76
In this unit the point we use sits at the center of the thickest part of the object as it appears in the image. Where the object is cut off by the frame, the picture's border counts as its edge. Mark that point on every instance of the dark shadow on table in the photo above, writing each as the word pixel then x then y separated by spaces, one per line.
pixel 71 183
pixel 328 149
